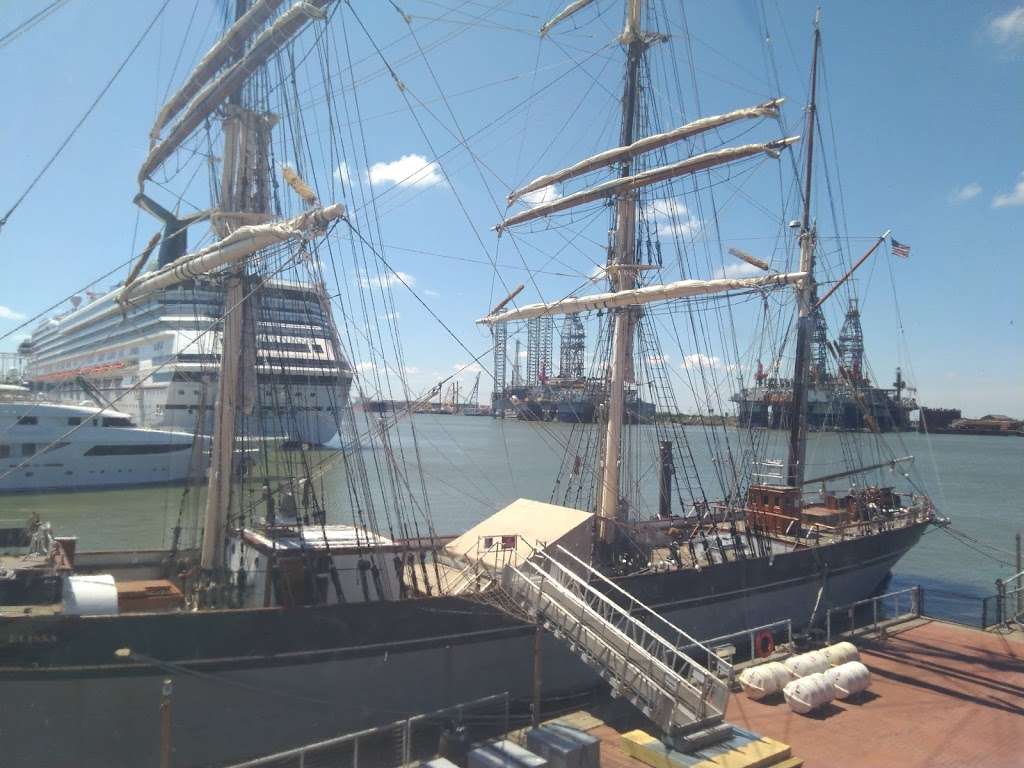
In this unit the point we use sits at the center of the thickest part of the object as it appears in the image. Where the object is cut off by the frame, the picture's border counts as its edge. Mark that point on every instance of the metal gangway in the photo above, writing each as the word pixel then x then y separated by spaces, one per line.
pixel 637 651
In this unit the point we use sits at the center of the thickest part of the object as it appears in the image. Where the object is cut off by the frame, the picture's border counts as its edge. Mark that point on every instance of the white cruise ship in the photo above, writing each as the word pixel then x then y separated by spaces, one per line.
pixel 170 342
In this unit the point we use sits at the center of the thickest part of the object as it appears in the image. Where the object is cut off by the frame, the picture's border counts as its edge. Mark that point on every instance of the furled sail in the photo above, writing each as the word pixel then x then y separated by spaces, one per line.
pixel 269 42
pixel 241 243
pixel 562 15
pixel 646 295
pixel 653 176
pixel 618 154
pixel 224 50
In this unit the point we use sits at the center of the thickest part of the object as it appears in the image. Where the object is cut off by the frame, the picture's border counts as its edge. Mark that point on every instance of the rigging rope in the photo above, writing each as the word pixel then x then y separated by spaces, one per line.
pixel 81 121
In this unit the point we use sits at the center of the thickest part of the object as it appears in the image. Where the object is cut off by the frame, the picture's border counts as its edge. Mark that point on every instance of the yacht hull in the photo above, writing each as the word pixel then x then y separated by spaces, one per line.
pixel 256 681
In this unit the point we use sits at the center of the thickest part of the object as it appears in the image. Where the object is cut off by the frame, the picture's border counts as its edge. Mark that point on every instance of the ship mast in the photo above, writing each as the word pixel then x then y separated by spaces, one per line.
pixel 243 191
pixel 625 299
pixel 622 276
pixel 795 471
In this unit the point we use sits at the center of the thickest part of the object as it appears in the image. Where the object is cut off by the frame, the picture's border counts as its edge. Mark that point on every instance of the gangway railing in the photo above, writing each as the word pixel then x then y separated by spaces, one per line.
pixel 673 690
pixel 679 638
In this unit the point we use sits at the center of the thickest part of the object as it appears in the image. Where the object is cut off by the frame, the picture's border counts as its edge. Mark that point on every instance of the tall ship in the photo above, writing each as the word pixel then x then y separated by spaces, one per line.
pixel 282 614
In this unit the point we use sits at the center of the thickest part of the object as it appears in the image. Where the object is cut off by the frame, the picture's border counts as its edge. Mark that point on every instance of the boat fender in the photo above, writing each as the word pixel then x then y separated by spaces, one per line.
pixel 764 644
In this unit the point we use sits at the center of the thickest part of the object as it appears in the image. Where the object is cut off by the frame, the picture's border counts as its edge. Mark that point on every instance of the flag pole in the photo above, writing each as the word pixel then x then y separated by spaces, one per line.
pixel 844 278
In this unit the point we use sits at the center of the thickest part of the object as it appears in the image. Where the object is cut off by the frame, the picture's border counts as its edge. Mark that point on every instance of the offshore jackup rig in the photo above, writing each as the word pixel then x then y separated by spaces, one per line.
pixel 841 401
pixel 572 396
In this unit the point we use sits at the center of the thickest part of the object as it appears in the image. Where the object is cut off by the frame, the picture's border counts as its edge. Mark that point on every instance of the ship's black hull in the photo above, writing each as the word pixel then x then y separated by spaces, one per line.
pixel 250 682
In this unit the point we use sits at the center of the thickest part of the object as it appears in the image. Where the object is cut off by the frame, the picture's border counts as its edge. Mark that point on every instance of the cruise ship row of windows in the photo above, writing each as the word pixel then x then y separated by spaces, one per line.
pixel 194 294
pixel 127 352
pixel 276 314
pixel 101 335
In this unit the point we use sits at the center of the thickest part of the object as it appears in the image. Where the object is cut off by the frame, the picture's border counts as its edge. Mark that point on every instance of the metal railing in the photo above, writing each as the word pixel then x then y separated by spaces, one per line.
pixel 782 628
pixel 641 664
pixel 1006 605
pixel 873 612
pixel 648 616
pixel 393 744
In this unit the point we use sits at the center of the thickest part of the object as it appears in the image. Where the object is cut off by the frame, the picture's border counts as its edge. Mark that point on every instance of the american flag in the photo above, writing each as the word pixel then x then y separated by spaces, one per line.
pixel 900 249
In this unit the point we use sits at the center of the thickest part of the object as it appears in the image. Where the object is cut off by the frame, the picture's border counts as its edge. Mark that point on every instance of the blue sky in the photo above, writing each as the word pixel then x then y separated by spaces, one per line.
pixel 924 100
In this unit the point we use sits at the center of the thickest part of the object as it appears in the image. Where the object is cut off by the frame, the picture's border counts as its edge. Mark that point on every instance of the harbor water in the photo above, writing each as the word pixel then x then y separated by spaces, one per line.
pixel 474 466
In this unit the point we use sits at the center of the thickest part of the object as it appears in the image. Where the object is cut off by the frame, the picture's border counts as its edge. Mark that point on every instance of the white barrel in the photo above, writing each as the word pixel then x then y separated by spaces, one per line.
pixel 806 664
pixel 809 693
pixel 849 678
pixel 764 679
pixel 840 653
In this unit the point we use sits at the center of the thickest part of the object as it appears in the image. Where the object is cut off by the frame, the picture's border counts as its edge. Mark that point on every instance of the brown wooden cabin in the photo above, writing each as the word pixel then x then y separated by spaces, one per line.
pixel 776 508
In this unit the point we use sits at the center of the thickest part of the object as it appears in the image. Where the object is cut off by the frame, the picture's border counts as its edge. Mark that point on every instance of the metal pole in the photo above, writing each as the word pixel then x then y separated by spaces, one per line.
pixel 537 663
pixel 165 723
pixel 1000 598
pixel 665 481
pixel 1020 594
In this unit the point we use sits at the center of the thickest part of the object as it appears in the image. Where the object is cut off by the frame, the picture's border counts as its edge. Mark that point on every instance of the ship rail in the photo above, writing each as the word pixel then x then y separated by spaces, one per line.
pixel 850 530
pixel 414 736
pixel 873 613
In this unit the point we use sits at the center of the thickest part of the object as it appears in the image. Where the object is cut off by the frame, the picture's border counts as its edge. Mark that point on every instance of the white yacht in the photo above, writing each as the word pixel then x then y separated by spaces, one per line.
pixel 47 446
pixel 158 360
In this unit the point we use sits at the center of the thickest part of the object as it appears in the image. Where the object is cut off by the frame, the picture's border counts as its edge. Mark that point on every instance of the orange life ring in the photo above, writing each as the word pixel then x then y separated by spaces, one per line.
pixel 764 644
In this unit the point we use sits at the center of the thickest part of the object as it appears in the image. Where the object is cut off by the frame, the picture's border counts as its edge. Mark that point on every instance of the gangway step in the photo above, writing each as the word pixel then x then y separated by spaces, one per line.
pixel 680 696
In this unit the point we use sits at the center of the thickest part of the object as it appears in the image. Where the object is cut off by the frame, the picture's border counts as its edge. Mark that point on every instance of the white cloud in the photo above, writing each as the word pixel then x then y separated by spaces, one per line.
pixel 467 368
pixel 408 170
pixel 599 272
pixel 387 280
pixel 1008 29
pixel 699 360
pixel 739 269
pixel 659 359
pixel 673 219
pixel 1016 197
pixel 431 292
pixel 341 173
pixel 543 195
pixel 411 370
pixel 6 313
pixel 968 191
pixel 366 367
